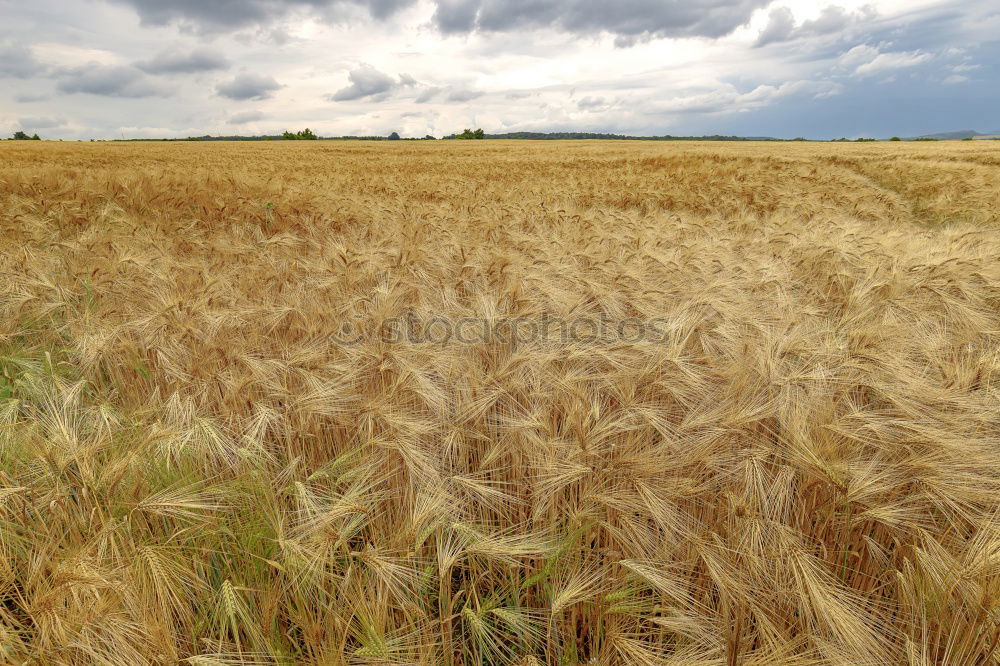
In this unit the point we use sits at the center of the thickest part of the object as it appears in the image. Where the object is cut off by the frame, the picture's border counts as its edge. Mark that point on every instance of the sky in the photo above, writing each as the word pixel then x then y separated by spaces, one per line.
pixel 80 69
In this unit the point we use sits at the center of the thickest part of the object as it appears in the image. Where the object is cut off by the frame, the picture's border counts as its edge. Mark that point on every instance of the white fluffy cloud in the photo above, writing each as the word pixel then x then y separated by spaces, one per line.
pixel 869 60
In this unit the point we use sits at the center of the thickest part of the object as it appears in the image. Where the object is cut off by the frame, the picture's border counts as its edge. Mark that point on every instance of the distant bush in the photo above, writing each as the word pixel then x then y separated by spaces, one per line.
pixel 21 136
pixel 895 138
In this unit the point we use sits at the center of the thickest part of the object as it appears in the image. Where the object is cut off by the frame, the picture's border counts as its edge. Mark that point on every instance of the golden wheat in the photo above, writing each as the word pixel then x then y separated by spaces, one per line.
pixel 801 467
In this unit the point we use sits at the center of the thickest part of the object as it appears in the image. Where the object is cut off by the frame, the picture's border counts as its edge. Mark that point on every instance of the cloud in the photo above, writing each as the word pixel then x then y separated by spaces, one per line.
pixel 456 15
pixel 728 99
pixel 463 95
pixel 832 19
pixel 427 94
pixel 590 103
pixel 813 89
pixel 624 18
pixel 172 62
pixel 17 61
pixel 248 86
pixel 780 26
pixel 246 117
pixel 525 66
pixel 107 81
pixel 628 18
pixel 366 81
pixel 860 54
pixel 226 15
pixel 885 62
pixel 40 123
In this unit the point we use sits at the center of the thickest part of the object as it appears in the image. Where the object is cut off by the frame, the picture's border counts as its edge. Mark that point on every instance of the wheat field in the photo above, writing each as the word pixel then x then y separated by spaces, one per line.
pixel 215 448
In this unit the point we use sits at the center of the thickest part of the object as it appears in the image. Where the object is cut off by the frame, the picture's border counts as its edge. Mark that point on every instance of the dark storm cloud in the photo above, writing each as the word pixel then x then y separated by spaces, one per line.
pixel 221 15
pixel 107 81
pixel 934 27
pixel 629 18
pixel 366 81
pixel 248 86
pixel 172 62
pixel 17 61
pixel 456 15
pixel 625 18
pixel 910 105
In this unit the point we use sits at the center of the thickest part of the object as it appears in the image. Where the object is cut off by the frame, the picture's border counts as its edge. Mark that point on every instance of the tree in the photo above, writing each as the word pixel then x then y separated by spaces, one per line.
pixel 394 136
pixel 468 134
pixel 430 137
pixel 304 135
pixel 895 138
pixel 21 136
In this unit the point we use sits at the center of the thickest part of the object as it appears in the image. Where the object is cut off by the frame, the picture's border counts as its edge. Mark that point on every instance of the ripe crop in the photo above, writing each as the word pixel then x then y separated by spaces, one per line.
pixel 799 463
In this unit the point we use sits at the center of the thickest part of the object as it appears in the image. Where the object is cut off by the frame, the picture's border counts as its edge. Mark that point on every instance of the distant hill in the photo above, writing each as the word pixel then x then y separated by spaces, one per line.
pixel 956 136
pixel 563 136
pixel 537 136
pixel 267 137
pixel 558 136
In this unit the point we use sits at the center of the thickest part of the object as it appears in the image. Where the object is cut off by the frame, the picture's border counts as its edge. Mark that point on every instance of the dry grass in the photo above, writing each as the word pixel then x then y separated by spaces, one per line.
pixel 804 470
